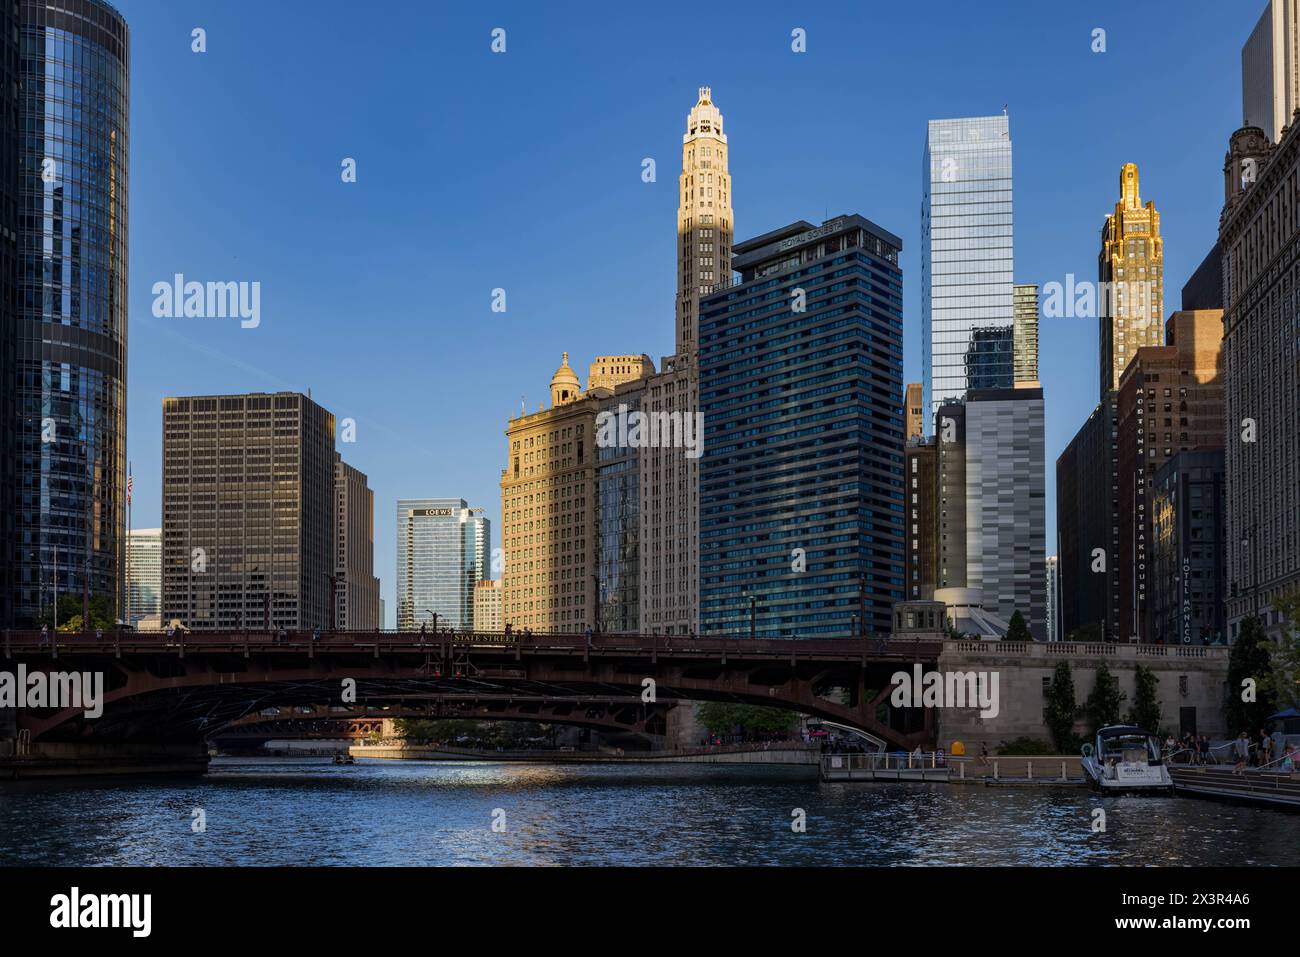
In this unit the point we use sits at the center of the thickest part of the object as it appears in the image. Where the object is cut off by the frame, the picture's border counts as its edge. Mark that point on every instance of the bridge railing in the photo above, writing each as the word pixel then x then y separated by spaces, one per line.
pixel 902 649
pixel 885 761
pixel 1045 768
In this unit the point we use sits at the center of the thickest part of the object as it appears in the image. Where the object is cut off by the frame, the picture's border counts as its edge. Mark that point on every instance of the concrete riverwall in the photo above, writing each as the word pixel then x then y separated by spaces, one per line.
pixel 1191 682
pixel 793 755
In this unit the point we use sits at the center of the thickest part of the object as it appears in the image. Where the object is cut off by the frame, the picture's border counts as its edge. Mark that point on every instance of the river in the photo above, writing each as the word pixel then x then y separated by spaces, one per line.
pixel 311 812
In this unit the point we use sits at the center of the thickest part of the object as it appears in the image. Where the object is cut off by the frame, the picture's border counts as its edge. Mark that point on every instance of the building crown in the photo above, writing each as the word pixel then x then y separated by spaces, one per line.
pixel 565 386
pixel 704 118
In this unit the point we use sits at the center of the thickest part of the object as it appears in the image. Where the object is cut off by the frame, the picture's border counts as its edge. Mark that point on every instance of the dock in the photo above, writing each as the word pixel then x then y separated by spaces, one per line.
pixel 1248 786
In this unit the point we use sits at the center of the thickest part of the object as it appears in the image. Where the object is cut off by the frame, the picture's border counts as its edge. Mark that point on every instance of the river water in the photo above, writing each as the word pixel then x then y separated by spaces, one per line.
pixel 310 812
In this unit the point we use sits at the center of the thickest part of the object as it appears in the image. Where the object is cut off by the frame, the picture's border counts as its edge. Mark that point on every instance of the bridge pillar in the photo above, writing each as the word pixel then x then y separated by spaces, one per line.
pixel 54 759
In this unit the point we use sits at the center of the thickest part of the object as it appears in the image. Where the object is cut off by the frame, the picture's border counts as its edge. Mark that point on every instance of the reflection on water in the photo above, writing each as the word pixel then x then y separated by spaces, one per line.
pixel 380 813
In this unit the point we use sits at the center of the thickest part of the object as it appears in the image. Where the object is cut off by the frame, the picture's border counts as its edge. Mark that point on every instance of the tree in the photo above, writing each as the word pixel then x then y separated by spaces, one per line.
pixel 1061 710
pixel 1102 705
pixel 1285 655
pixel 1145 712
pixel 725 718
pixel 1249 661
pixel 1017 630
pixel 101 613
pixel 1090 633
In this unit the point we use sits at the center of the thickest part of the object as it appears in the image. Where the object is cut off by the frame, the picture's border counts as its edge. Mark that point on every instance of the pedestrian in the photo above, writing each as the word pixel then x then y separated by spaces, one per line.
pixel 1288 759
pixel 1265 749
pixel 1241 749
pixel 588 634
pixel 315 635
pixel 984 753
pixel 45 634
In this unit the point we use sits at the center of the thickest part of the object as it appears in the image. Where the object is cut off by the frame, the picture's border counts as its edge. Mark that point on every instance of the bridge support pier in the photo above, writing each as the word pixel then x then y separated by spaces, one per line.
pixel 55 759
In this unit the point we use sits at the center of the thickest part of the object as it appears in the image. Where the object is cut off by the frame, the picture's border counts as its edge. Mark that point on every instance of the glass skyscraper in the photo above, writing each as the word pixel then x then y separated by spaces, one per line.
pixel 966 258
pixel 801 480
pixel 64 351
pixel 618 548
pixel 443 551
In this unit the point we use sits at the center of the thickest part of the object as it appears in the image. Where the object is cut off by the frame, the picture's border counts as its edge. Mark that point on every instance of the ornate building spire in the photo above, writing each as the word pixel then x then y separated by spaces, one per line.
pixel 704 219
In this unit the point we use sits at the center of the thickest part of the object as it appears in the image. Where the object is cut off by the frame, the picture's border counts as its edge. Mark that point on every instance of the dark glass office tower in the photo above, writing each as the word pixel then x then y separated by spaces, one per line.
pixel 69 470
pixel 801 483
pixel 8 311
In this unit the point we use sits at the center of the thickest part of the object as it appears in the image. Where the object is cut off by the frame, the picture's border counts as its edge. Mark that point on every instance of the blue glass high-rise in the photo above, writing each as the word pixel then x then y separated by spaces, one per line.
pixel 801 481
pixel 69 475
pixel 966 257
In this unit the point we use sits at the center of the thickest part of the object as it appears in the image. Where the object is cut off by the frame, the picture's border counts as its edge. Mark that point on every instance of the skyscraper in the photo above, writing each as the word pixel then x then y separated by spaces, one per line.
pixel 618 511
pixel 669 480
pixel 1270 70
pixel 921 501
pixel 550 499
pixel 1170 400
pixel 704 218
pixel 801 490
pixel 248 512
pixel 1261 375
pixel 1130 267
pixel 966 257
pixel 1087 528
pixel 63 256
pixel 441 552
pixel 1006 503
pixel 356 589
pixel 1187 590
pixel 143 574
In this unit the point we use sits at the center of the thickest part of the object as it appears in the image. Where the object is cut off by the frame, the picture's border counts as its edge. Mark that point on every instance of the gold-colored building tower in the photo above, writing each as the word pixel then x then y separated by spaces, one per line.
pixel 1131 268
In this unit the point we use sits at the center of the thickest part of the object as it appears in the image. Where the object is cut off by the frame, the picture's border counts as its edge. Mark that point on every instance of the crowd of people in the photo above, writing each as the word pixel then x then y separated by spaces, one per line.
pixel 1188 748
pixel 1271 752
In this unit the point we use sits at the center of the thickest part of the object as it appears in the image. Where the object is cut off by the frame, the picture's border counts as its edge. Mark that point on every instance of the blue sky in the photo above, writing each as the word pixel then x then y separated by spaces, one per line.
pixel 522 171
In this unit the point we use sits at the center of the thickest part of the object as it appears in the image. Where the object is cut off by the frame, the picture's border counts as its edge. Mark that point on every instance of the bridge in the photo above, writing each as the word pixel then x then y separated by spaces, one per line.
pixel 172 689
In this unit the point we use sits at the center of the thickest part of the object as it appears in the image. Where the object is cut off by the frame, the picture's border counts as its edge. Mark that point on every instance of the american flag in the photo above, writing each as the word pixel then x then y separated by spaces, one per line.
pixel 129 483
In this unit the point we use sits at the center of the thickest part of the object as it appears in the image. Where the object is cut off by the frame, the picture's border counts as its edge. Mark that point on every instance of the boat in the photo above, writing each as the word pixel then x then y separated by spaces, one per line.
pixel 1124 757
pixel 344 759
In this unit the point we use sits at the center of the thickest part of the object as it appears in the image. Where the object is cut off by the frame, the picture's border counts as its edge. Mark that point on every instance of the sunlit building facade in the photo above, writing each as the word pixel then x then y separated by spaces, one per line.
pixel 1024 306
pixel 1130 267
pixel 143 574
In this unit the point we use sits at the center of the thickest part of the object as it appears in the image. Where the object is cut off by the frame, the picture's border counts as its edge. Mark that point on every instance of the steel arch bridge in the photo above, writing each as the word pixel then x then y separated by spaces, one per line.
pixel 189 686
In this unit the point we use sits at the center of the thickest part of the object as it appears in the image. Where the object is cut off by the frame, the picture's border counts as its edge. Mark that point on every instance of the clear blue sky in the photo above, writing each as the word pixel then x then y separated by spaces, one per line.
pixel 523 171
